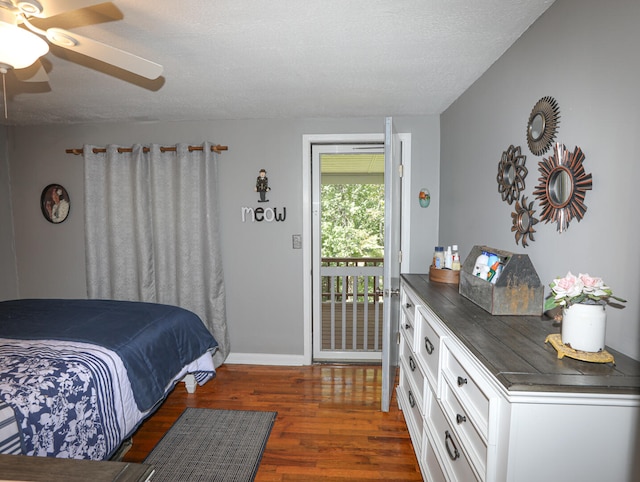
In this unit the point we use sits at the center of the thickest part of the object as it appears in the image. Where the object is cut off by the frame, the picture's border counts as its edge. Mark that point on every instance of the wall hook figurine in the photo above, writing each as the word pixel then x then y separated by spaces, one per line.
pixel 262 186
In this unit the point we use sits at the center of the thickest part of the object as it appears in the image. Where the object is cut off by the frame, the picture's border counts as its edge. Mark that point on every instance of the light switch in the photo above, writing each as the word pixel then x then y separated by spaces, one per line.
pixel 296 240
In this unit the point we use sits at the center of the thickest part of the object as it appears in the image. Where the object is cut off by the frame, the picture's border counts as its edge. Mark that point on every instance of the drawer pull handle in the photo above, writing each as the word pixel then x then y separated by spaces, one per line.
pixel 453 455
pixel 412 401
pixel 462 381
pixel 428 345
pixel 460 418
pixel 408 305
pixel 407 326
pixel 412 364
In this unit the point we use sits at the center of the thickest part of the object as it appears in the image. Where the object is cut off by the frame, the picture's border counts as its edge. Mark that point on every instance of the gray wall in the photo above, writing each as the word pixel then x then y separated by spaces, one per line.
pixel 263 273
pixel 584 53
pixel 8 274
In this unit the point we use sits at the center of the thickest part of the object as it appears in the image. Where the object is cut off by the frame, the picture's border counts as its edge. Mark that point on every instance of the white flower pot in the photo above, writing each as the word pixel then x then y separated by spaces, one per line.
pixel 584 326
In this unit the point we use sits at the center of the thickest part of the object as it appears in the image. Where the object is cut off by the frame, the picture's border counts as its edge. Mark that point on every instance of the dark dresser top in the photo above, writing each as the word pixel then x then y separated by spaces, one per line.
pixel 51 469
pixel 513 348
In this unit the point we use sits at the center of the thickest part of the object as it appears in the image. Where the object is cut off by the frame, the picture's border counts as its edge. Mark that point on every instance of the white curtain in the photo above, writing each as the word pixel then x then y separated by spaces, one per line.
pixel 152 230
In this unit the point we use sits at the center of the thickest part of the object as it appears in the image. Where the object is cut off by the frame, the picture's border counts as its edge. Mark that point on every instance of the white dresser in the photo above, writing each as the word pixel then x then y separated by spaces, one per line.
pixel 485 398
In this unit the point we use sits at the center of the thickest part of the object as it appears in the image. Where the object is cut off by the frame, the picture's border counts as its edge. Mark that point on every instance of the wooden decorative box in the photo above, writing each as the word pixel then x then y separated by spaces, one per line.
pixel 444 275
pixel 517 290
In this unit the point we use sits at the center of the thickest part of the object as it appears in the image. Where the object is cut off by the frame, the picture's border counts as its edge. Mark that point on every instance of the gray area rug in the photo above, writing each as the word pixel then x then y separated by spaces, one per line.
pixel 212 445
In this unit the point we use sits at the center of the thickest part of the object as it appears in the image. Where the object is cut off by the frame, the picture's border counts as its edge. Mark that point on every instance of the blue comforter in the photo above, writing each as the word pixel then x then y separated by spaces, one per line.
pixel 70 400
pixel 154 341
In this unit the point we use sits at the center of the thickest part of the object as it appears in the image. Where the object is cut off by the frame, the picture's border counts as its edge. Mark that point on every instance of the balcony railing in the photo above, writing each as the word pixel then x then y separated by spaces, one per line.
pixel 352 306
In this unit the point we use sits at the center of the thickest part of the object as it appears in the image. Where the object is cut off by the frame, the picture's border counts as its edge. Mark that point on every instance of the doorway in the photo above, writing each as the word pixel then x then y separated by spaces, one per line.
pixel 310 209
pixel 348 215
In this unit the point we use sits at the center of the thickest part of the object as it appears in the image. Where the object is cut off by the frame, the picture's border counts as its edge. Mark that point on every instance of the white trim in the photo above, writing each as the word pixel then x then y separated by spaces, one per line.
pixel 405 245
pixel 264 359
pixel 307 141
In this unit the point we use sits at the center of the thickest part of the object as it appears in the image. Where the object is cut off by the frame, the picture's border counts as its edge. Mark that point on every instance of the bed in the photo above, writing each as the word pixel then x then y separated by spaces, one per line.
pixel 81 375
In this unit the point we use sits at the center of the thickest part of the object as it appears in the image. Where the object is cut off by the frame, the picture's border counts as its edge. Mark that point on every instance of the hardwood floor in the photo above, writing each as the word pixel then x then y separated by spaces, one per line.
pixel 329 425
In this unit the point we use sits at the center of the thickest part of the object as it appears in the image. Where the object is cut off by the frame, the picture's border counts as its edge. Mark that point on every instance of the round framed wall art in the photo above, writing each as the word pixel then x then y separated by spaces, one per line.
pixel 55 203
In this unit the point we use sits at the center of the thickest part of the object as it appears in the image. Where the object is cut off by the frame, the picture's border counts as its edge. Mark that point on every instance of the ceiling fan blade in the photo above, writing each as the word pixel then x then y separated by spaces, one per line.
pixel 105 53
pixel 49 8
pixel 33 73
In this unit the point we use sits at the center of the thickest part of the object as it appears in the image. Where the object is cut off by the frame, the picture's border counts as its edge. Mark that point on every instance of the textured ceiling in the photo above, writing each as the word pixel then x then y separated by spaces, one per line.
pixel 256 59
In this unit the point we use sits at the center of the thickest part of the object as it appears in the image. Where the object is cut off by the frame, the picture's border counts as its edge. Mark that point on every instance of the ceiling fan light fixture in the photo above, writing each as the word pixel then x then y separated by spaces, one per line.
pixel 30 7
pixel 19 48
pixel 61 38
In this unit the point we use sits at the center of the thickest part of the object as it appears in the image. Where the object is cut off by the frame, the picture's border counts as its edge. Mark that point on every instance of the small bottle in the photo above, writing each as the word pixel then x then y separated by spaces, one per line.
pixel 493 272
pixel 497 275
pixel 438 257
pixel 481 268
pixel 455 262
pixel 448 258
pixel 492 259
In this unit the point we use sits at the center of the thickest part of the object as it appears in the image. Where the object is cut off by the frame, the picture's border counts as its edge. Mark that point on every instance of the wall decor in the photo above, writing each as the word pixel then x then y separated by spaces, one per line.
pixel 511 173
pixel 261 214
pixel 543 125
pixel 262 186
pixel 55 203
pixel 523 221
pixel 563 186
pixel 424 198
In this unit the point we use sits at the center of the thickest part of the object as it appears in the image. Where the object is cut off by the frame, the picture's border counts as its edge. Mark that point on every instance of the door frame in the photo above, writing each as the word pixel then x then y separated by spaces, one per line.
pixel 337 355
pixel 307 228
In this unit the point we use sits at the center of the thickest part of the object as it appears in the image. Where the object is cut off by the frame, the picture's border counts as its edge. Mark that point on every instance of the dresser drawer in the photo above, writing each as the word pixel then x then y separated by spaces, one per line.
pixel 467 390
pixel 407 323
pixel 431 468
pixel 409 300
pixel 475 444
pixel 407 329
pixel 429 346
pixel 411 411
pixel 447 444
pixel 413 372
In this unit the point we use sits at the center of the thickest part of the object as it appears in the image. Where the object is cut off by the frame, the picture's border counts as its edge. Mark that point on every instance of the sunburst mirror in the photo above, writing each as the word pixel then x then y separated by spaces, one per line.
pixel 543 125
pixel 511 174
pixel 563 186
pixel 523 221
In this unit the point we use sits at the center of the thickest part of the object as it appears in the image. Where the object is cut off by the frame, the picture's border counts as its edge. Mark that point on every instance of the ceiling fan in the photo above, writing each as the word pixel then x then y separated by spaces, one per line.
pixel 14 13
pixel 22 43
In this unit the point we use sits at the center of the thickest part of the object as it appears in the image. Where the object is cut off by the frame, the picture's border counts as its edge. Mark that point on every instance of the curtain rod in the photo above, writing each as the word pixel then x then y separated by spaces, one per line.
pixel 77 151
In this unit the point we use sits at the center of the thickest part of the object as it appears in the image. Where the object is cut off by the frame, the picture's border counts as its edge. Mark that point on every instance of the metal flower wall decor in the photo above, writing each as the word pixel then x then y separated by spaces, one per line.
pixel 562 187
pixel 523 221
pixel 511 174
pixel 542 125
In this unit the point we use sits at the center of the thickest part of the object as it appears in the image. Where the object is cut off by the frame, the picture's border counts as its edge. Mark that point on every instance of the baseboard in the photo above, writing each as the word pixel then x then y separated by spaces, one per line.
pixel 264 359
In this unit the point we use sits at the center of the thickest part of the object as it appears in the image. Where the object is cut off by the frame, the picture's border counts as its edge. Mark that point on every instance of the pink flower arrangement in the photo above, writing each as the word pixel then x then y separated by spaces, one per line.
pixel 578 289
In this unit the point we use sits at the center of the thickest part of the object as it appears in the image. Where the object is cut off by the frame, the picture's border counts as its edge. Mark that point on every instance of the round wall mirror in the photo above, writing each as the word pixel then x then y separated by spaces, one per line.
pixel 511 174
pixel 536 127
pixel 542 125
pixel 523 221
pixel 562 187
